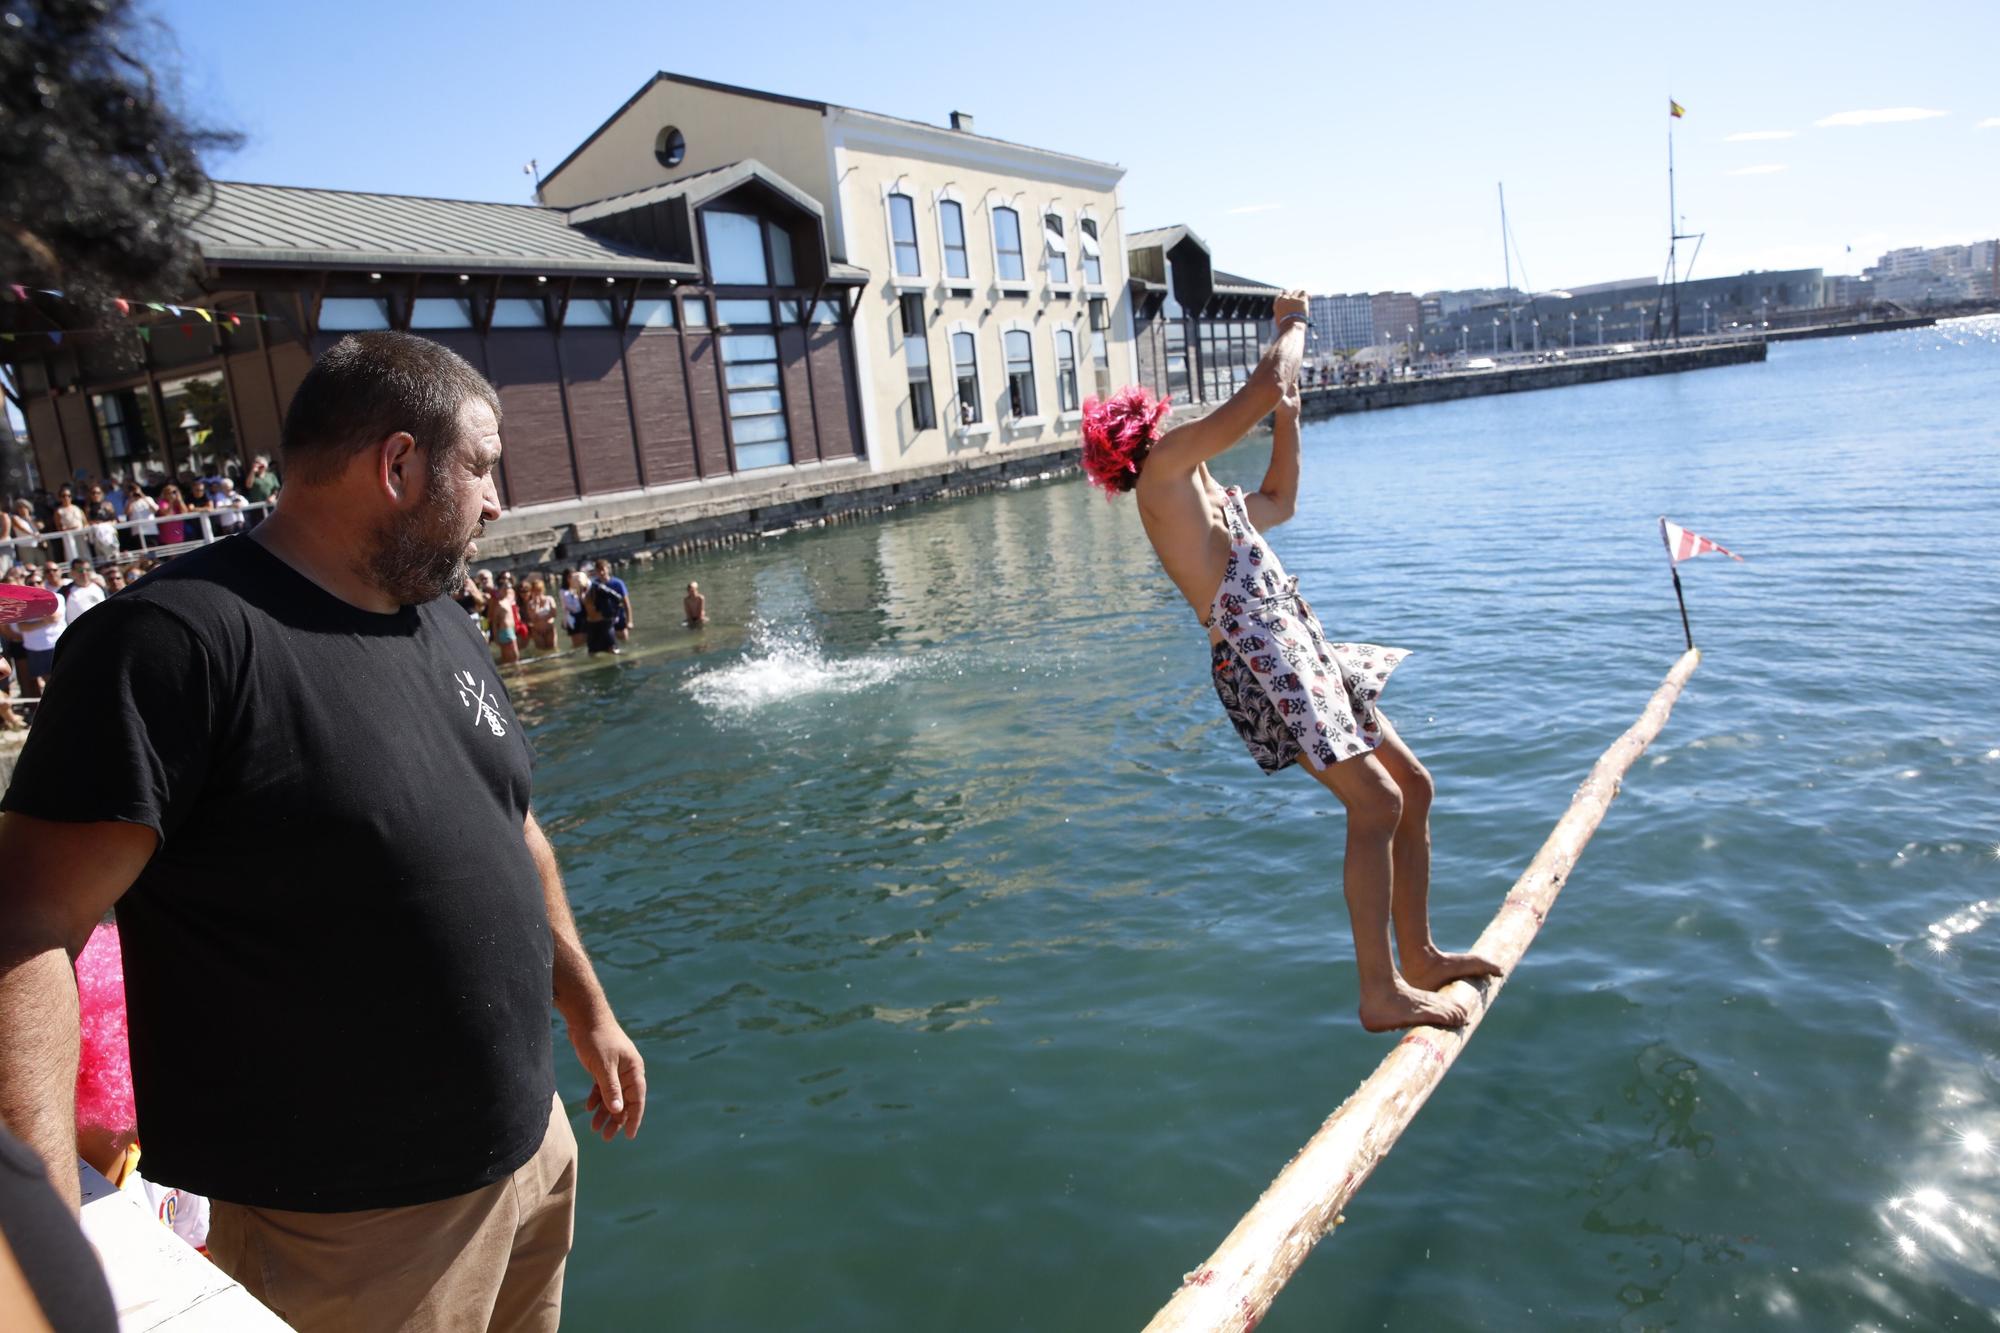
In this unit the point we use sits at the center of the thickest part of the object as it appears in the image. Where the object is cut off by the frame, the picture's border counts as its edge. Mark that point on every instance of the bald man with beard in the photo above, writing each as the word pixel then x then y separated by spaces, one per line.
pixel 287 762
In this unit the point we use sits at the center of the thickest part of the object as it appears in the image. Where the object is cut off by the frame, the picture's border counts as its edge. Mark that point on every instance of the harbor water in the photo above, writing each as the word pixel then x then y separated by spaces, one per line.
pixel 984 981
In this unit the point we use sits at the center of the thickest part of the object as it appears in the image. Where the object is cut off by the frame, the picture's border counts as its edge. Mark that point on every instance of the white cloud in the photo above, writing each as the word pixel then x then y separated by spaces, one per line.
pixel 1990 123
pixel 1888 115
pixel 1751 136
pixel 1761 169
pixel 1254 208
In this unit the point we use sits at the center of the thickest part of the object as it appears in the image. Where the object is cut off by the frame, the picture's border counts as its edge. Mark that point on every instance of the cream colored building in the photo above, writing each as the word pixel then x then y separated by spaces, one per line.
pixel 997 298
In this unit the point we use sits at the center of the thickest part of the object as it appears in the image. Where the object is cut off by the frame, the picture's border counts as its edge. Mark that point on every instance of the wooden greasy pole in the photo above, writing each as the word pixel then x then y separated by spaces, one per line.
pixel 1234 1288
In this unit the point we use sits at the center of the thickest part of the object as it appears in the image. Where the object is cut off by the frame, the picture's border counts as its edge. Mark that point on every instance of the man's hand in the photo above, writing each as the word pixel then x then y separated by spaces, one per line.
pixel 1293 302
pixel 618 1077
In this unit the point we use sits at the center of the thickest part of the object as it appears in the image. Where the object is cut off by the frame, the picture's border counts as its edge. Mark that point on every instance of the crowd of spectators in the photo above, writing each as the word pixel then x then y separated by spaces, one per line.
pixel 594 608
pixel 86 540
pixel 110 519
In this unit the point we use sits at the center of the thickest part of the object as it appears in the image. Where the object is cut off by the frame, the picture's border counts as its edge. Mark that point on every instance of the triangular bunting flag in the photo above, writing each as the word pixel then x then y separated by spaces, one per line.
pixel 145 333
pixel 55 336
pixel 155 305
pixel 1685 545
pixel 124 306
pixel 206 318
pixel 20 292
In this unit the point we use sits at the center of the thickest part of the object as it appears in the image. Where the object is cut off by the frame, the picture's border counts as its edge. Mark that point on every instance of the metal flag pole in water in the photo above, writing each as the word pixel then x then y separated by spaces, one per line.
pixel 1235 1287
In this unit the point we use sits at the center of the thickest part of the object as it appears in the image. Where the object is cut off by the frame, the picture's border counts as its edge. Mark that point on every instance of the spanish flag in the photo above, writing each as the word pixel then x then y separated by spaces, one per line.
pixel 1675 109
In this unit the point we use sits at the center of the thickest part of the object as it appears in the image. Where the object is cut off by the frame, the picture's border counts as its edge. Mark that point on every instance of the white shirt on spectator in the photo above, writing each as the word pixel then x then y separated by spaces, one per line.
pixel 82 596
pixel 143 506
pixel 43 637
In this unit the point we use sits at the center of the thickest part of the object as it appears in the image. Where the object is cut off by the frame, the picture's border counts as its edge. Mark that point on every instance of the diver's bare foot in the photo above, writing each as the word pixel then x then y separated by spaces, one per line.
pixel 1434 970
pixel 1408 1007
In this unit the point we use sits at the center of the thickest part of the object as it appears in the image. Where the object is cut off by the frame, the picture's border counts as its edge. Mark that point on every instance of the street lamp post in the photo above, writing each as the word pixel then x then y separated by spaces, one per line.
pixel 1572 330
pixel 1600 328
pixel 1536 332
pixel 1463 329
pixel 1704 319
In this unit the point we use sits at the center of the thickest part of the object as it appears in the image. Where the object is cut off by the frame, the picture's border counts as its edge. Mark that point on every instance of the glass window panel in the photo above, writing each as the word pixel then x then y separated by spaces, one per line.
pixel 826 312
pixel 752 430
pixel 783 274
pixel 735 248
pixel 749 347
pixel 1020 352
pixel 518 312
pixel 353 312
pixel 440 312
pixel 653 314
pixel 789 311
pixel 756 375
pixel 695 311
pixel 1093 267
pixel 919 350
pixel 197 412
pixel 903 231
pixel 1007 242
pixel 588 314
pixel 743 312
pixel 775 454
pixel 749 402
pixel 953 217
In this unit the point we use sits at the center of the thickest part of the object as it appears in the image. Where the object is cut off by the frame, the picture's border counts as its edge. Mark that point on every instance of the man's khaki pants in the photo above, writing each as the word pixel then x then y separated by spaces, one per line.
pixel 492 1259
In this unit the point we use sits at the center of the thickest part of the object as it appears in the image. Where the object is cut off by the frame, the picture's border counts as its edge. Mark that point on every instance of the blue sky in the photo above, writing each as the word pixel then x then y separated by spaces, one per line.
pixel 1338 147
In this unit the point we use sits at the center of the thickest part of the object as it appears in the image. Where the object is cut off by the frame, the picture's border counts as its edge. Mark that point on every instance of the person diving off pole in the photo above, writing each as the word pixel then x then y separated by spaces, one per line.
pixel 1292 695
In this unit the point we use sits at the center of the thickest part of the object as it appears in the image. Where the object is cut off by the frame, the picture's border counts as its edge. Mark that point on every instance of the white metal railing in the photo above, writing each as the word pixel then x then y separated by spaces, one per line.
pixel 88 542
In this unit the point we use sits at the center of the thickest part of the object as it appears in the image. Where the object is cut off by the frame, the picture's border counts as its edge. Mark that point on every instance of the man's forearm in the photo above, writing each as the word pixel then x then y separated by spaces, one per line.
pixel 38 1053
pixel 578 996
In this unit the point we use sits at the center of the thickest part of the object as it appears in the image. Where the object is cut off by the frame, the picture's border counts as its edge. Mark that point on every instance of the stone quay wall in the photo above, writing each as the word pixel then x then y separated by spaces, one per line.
pixel 1553 374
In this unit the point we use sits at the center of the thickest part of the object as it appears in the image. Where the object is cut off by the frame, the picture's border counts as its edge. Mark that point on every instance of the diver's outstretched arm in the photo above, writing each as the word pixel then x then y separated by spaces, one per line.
pixel 1184 448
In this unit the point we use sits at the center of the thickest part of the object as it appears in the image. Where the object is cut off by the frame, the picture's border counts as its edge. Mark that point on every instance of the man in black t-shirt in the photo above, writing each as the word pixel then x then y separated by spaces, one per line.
pixel 343 1038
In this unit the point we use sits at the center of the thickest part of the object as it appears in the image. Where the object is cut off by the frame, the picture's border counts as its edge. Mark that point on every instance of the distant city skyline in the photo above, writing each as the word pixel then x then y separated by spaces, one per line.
pixel 1345 159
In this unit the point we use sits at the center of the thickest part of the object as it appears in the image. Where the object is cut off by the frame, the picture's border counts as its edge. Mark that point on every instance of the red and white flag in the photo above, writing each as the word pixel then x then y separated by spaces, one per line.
pixel 1685 545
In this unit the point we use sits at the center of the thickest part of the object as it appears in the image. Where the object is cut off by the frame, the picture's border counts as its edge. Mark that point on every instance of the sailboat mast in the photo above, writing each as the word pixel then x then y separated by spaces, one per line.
pixel 1673 235
pixel 1507 264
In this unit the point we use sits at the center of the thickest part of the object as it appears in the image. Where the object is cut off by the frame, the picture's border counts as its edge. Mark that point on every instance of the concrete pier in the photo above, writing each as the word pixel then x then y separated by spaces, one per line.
pixel 1519 377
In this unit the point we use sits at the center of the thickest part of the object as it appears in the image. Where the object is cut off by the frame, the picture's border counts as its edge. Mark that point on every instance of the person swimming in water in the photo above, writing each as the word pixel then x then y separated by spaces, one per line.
pixel 1290 693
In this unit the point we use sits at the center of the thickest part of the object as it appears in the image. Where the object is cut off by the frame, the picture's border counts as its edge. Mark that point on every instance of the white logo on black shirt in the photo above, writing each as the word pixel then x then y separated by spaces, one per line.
pixel 472 693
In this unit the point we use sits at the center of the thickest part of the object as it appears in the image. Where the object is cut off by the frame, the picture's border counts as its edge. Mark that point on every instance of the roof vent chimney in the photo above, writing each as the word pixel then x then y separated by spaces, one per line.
pixel 962 121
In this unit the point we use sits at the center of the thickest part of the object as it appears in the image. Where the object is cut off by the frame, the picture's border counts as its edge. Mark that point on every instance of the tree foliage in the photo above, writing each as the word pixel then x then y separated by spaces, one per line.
pixel 101 171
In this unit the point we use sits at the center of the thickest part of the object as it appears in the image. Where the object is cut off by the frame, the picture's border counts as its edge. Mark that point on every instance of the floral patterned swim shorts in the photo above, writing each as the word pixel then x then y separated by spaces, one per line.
pixel 1268 738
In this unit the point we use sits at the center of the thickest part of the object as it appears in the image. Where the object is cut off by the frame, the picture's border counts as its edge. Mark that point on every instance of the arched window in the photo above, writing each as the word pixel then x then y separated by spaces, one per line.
pixel 1020 373
pixel 951 222
pixel 1093 266
pixel 1066 395
pixel 1055 247
pixel 965 369
pixel 1007 260
pixel 903 235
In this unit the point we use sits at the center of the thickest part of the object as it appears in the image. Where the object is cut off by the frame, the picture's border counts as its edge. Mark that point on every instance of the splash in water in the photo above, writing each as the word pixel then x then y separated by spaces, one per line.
pixel 780 666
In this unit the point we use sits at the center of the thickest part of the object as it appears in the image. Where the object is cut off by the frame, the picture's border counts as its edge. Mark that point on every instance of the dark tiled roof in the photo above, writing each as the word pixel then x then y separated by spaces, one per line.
pixel 284 224
pixel 1237 282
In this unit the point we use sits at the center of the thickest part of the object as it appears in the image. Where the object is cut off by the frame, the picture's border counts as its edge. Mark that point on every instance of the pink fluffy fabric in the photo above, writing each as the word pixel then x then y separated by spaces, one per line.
pixel 104 1069
pixel 1117 433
